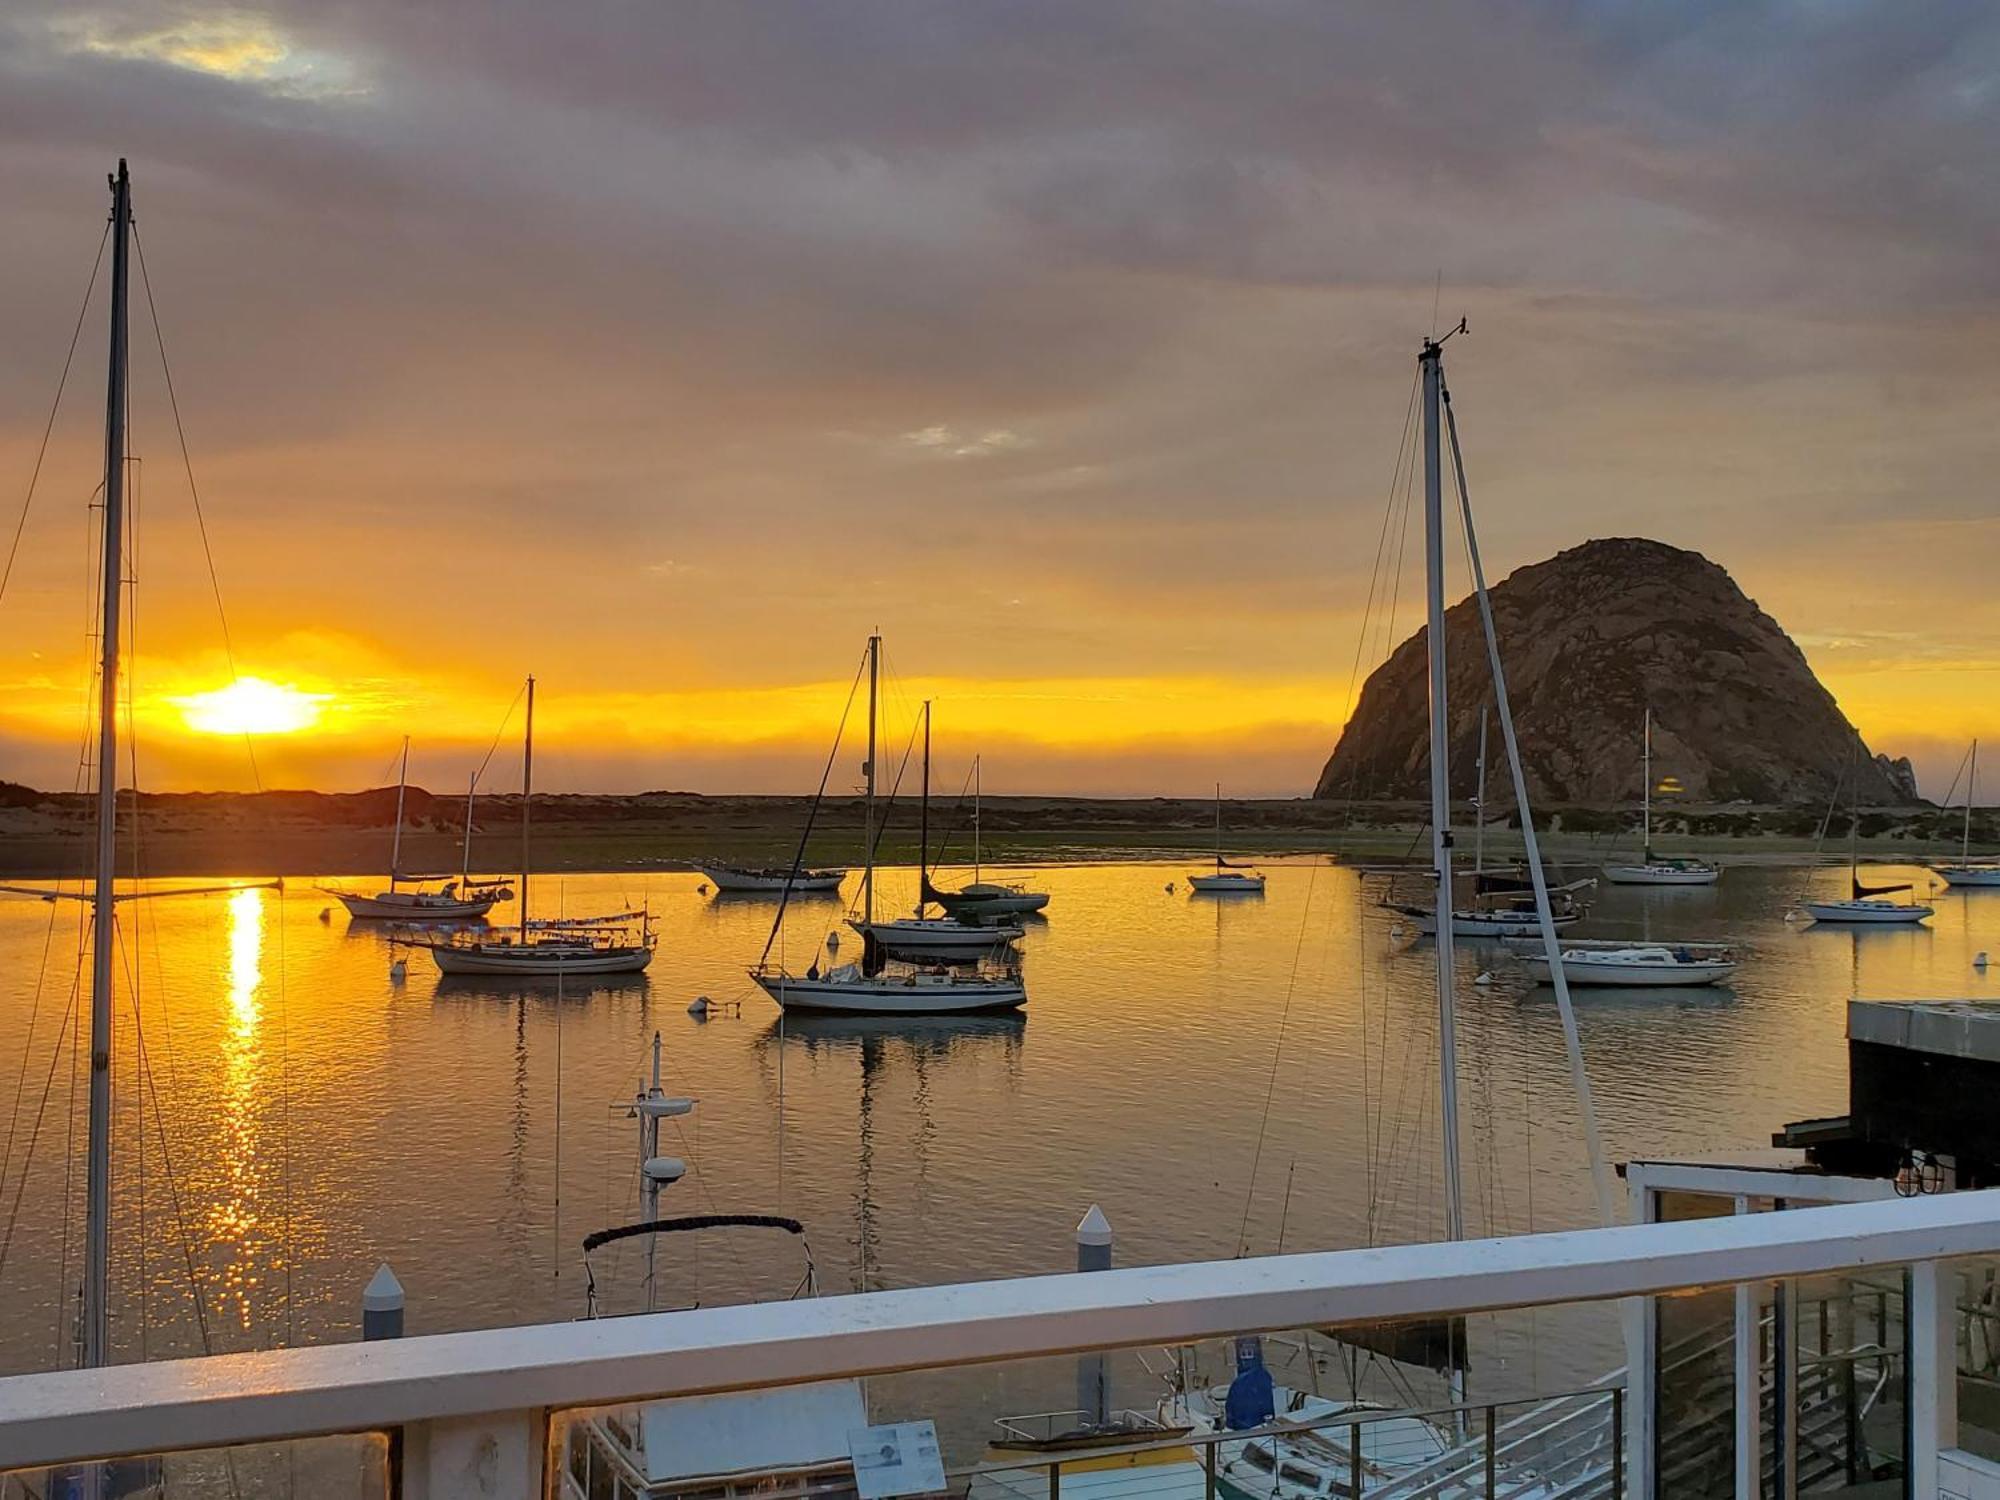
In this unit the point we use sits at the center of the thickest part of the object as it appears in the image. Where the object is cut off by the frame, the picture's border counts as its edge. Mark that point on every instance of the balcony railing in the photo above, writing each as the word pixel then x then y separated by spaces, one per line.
pixel 474 1413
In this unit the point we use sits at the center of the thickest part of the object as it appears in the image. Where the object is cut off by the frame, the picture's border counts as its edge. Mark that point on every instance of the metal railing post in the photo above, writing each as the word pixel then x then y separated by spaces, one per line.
pixel 1617 1443
pixel 1354 1458
pixel 1208 1471
pixel 1492 1455
pixel 1055 1481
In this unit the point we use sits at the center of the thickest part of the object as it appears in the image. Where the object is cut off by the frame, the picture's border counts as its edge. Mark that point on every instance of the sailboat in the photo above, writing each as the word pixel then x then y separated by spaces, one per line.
pixel 952 938
pixel 1968 871
pixel 876 985
pixel 1652 868
pixel 1394 1452
pixel 1226 879
pixel 770 880
pixel 984 898
pixel 552 948
pixel 461 900
pixel 1865 903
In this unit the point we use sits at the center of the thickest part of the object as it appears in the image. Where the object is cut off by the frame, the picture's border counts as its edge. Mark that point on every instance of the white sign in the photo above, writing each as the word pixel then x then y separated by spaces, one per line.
pixel 900 1459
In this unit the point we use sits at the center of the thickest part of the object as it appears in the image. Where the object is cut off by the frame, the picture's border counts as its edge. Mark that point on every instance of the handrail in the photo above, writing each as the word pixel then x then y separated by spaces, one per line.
pixel 177 1405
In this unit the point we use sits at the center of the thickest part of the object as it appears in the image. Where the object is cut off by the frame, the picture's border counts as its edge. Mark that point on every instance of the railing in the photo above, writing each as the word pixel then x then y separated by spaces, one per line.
pixel 484 1403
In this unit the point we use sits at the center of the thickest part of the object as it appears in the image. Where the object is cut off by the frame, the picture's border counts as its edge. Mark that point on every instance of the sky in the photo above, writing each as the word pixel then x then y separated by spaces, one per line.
pixel 665 350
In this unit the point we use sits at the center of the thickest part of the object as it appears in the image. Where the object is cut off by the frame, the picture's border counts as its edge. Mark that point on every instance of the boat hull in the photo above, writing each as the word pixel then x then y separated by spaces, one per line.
pixel 1589 971
pixel 734 881
pixel 933 939
pixel 1661 875
pixel 1002 903
pixel 1480 924
pixel 397 907
pixel 1970 875
pixel 537 960
pixel 922 995
pixel 1227 885
pixel 1865 911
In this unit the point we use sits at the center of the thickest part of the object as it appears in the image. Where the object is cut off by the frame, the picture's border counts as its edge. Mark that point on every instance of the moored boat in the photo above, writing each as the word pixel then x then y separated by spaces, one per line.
pixel 460 899
pixel 1970 872
pixel 929 991
pixel 1868 908
pixel 1226 879
pixel 1637 965
pixel 1652 868
pixel 737 879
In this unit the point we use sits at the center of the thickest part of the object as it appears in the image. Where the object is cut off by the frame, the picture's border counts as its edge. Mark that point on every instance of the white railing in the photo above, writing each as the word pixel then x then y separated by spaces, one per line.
pixel 442 1389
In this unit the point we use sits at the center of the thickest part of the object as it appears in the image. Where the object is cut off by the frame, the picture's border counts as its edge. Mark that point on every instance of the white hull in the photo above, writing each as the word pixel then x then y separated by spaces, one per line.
pixel 1630 969
pixel 407 906
pixel 1226 883
pixel 904 995
pixel 537 960
pixel 725 879
pixel 1970 875
pixel 1661 874
pixel 992 901
pixel 1865 911
pixel 930 938
pixel 1484 924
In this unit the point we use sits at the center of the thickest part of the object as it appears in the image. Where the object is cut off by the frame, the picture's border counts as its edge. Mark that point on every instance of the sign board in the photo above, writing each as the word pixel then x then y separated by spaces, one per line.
pixel 899 1459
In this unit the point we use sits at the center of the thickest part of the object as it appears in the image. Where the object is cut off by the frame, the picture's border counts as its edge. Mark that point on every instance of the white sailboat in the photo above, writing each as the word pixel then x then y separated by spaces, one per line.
pixel 879 985
pixel 1968 871
pixel 1654 869
pixel 461 899
pixel 1226 879
pixel 770 880
pixel 981 897
pixel 619 943
pixel 1612 964
pixel 1864 904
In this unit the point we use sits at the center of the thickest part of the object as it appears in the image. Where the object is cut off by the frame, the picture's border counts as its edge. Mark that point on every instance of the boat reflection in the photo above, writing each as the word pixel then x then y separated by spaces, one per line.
pixel 567 988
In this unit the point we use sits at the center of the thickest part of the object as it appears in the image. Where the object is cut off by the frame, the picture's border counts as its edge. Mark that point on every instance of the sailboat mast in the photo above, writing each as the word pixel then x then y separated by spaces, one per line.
pixel 868 806
pixel 465 845
pixel 1479 805
pixel 1218 825
pixel 1971 789
pixel 975 820
pixel 97 1191
pixel 1646 790
pixel 1430 362
pixel 527 801
pixel 924 816
pixel 402 786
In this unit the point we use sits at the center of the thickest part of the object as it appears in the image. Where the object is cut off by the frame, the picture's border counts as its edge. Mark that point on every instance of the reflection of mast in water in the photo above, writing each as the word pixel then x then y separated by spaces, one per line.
pixel 513 1228
pixel 866 1248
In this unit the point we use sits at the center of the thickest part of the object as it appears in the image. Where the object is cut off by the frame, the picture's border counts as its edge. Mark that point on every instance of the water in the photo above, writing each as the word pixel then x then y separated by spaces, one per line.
pixel 1219 1074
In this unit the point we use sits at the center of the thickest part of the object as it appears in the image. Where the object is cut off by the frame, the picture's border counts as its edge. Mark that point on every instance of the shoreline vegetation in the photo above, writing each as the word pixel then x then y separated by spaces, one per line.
pixel 48 835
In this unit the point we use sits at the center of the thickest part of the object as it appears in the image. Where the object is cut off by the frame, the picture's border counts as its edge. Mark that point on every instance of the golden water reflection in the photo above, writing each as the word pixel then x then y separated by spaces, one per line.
pixel 234 1220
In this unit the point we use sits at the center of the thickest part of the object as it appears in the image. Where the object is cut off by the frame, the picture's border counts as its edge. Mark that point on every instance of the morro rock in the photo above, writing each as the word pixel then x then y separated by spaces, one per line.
pixel 1591 639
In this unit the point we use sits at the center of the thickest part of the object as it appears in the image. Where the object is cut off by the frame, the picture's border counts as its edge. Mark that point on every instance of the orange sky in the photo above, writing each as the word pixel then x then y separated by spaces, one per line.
pixel 1075 367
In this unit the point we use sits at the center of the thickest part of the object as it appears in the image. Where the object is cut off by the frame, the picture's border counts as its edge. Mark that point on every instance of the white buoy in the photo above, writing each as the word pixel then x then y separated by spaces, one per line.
pixel 833 942
pixel 699 1007
pixel 1482 978
pixel 399 970
pixel 1979 959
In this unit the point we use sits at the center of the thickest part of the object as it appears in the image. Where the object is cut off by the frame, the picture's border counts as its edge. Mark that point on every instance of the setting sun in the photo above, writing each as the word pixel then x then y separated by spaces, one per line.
pixel 251 705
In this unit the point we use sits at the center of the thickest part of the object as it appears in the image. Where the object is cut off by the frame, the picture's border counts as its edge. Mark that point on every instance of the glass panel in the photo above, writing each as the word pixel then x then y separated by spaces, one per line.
pixel 352 1467
pixel 1978 1325
pixel 1851 1426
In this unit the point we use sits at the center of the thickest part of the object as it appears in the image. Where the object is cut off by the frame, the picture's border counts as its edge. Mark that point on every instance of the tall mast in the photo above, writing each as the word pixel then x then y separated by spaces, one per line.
pixel 465 845
pixel 402 785
pixel 97 1213
pixel 868 806
pixel 527 802
pixel 1431 364
pixel 1646 790
pixel 1479 804
pixel 1971 788
pixel 924 816
pixel 975 820
pixel 1218 825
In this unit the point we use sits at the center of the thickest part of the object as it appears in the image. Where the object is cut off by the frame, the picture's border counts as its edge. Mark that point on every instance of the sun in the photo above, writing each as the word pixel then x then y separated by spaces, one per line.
pixel 251 705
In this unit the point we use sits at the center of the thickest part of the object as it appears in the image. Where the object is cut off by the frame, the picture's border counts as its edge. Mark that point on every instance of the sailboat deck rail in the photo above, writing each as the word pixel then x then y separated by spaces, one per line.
pixel 510 1379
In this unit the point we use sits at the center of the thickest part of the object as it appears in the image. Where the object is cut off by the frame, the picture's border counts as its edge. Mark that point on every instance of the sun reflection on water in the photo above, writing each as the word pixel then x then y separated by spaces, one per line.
pixel 234 1220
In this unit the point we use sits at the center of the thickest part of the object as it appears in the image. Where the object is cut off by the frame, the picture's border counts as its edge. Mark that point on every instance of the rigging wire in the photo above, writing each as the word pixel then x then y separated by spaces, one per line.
pixel 194 492
pixel 41 451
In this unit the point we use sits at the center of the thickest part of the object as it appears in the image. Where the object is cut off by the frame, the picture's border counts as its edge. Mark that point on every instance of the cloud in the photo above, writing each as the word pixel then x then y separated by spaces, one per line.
pixel 237 46
pixel 948 442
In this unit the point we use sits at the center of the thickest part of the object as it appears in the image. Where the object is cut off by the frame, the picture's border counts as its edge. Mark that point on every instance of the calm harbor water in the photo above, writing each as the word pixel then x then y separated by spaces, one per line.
pixel 1220 1074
